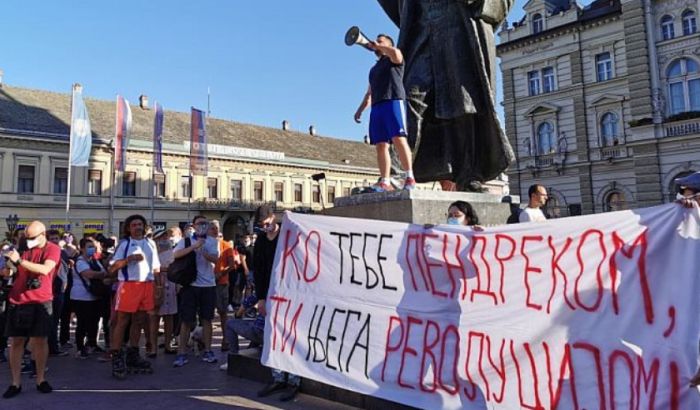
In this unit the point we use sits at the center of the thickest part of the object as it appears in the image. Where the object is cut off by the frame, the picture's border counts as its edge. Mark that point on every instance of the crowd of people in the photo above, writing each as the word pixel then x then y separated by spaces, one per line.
pixel 122 286
pixel 52 283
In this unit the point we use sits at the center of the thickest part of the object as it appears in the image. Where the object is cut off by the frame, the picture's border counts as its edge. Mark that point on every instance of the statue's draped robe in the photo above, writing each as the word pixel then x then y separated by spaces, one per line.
pixel 450 83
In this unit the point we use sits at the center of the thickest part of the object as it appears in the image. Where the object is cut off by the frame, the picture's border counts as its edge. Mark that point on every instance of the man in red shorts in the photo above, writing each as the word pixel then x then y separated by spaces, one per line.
pixel 135 262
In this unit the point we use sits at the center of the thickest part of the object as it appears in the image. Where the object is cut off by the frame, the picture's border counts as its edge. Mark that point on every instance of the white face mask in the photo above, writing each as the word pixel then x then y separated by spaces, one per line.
pixel 32 243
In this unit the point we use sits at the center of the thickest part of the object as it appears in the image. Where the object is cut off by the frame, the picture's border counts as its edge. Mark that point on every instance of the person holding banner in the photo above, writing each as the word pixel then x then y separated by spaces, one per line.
pixel 689 195
pixel 263 258
pixel 538 198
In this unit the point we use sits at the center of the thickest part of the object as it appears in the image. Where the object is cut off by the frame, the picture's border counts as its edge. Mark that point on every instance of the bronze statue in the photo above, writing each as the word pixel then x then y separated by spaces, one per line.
pixel 450 57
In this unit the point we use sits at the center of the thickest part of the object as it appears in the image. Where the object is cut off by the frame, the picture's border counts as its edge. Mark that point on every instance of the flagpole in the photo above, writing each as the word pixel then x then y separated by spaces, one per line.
pixel 153 169
pixel 113 183
pixel 70 152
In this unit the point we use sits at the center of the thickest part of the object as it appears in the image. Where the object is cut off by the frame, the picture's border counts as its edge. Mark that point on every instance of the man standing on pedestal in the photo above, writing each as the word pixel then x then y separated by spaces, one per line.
pixel 387 122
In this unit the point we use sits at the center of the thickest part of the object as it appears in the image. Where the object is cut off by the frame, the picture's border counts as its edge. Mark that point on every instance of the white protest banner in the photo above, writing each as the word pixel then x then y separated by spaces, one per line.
pixel 592 312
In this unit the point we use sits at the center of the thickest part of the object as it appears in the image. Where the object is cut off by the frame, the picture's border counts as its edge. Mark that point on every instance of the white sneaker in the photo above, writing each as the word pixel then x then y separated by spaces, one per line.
pixel 223 367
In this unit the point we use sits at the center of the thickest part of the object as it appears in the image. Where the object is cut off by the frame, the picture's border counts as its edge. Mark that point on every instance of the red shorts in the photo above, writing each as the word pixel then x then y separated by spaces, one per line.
pixel 132 297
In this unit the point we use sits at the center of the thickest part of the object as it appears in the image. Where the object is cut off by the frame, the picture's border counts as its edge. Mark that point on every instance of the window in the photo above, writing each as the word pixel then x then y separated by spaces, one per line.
pixel 298 196
pixel 548 79
pixel 236 189
pixel 608 129
pixel 533 80
pixel 129 184
pixel 537 23
pixel 279 191
pixel 683 86
pixel 25 179
pixel 258 190
pixel 331 194
pixel 690 26
pixel 346 191
pixel 94 182
pixel 667 31
pixel 60 180
pixel 545 138
pixel 159 185
pixel 186 186
pixel 316 194
pixel 615 201
pixel 212 188
pixel 603 64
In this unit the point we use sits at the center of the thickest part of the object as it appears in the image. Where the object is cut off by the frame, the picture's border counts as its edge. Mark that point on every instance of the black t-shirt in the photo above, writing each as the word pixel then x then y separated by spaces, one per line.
pixel 386 81
pixel 263 258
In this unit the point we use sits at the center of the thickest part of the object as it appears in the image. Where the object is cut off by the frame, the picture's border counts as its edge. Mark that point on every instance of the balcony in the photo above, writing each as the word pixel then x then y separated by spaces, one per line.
pixel 231 204
pixel 544 161
pixel 681 128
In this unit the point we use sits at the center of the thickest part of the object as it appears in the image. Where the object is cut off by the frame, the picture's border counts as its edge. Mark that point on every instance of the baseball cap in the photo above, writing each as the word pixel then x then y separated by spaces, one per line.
pixel 691 181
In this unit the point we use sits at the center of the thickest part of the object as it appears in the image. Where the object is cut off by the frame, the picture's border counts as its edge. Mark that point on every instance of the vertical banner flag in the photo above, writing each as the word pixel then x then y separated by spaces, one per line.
pixel 198 144
pixel 122 132
pixel 592 312
pixel 158 140
pixel 80 132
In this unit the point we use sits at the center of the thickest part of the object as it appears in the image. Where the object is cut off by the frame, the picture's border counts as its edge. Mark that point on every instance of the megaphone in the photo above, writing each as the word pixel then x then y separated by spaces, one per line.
pixel 356 37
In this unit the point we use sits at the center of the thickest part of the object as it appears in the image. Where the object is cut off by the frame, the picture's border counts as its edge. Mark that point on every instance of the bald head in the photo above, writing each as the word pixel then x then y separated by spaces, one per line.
pixel 36 235
pixel 35 228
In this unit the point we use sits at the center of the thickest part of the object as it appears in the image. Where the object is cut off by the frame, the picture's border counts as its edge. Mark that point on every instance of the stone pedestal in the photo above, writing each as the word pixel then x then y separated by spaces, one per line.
pixel 421 207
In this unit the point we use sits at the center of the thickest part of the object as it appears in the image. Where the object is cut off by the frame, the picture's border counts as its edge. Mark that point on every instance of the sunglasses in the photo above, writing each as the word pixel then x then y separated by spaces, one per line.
pixel 35 236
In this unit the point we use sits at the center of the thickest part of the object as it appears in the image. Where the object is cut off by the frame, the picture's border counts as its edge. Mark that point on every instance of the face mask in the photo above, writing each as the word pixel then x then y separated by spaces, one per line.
pixel 246 243
pixel 90 252
pixel 173 241
pixel 32 243
pixel 189 233
pixel 454 221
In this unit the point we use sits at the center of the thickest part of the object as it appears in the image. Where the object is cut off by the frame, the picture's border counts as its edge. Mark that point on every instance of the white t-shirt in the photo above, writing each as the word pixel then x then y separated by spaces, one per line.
pixel 137 271
pixel 205 269
pixel 532 215
pixel 78 290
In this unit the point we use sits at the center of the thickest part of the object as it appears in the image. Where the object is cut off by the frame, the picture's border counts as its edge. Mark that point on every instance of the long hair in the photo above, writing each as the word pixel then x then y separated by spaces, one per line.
pixel 128 221
pixel 467 210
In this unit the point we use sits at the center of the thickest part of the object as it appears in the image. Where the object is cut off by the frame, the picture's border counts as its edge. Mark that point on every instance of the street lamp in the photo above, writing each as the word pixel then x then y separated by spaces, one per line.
pixel 12 221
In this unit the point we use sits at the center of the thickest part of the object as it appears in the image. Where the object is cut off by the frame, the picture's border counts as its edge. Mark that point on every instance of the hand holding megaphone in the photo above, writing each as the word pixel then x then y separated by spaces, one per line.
pixel 354 36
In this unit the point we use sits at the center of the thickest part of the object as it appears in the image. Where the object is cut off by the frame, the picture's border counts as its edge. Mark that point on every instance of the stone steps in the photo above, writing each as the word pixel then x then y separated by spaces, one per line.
pixel 247 365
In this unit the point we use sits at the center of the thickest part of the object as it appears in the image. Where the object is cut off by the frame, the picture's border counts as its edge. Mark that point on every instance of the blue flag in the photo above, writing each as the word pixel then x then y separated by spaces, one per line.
pixel 80 132
pixel 158 140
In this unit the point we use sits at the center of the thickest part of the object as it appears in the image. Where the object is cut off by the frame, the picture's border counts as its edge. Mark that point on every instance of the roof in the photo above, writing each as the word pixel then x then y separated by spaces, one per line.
pixel 45 112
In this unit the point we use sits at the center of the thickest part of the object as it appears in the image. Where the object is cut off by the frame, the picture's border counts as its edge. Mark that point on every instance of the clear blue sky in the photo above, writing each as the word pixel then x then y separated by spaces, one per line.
pixel 265 61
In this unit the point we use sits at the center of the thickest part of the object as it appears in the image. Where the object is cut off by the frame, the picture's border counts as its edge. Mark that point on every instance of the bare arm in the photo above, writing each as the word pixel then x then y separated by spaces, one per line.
pixel 41 268
pixel 393 53
pixel 366 102
pixel 193 247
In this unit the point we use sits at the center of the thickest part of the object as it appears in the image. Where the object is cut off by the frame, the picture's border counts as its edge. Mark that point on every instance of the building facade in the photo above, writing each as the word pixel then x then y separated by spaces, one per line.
pixel 602 103
pixel 248 166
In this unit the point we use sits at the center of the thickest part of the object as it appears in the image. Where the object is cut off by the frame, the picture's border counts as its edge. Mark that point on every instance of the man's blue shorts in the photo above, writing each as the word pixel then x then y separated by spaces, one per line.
pixel 387 120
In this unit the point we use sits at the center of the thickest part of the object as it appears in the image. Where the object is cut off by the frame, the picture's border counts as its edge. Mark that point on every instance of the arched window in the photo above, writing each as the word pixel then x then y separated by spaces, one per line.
pixel 667 31
pixel 683 77
pixel 608 129
pixel 615 201
pixel 690 26
pixel 545 138
pixel 537 23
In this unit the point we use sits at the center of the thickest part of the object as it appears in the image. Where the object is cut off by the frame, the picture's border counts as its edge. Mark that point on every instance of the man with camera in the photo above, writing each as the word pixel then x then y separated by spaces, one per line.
pixel 29 311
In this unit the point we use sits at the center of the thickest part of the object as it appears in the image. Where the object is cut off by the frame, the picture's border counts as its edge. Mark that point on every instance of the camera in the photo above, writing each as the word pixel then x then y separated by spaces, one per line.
pixel 33 283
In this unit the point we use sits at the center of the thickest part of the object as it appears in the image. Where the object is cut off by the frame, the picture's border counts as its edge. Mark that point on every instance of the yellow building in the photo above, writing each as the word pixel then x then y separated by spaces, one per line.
pixel 248 166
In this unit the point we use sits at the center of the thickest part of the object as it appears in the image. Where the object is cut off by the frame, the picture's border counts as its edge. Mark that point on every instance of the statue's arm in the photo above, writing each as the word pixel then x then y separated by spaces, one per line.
pixel 392 8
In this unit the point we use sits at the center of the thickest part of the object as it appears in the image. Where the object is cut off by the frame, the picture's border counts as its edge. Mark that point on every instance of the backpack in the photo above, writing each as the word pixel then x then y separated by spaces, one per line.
pixel 183 270
pixel 96 287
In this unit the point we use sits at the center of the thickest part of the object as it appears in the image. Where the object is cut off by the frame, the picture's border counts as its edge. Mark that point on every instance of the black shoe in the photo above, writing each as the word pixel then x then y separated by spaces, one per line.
pixel 44 387
pixel 12 391
pixel 271 388
pixel 290 393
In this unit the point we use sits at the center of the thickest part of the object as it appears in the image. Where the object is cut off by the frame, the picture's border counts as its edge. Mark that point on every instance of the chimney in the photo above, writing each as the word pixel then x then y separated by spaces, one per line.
pixel 1 74
pixel 312 130
pixel 285 125
pixel 143 102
